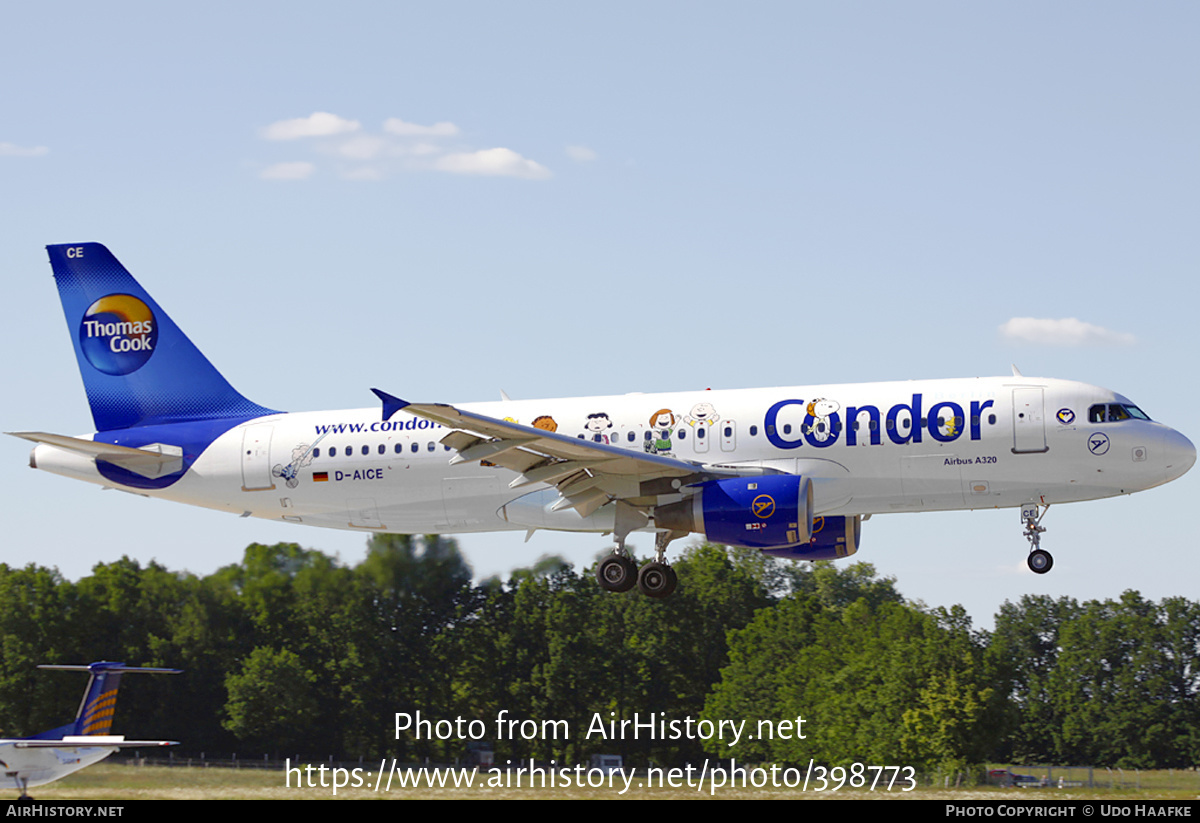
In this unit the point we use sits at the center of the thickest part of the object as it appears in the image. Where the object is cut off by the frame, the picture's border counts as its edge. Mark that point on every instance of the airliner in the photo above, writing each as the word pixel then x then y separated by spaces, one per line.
pixel 792 471
pixel 49 756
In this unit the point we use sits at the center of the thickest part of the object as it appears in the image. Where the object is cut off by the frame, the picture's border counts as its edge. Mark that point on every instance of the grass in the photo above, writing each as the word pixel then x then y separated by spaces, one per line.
pixel 117 783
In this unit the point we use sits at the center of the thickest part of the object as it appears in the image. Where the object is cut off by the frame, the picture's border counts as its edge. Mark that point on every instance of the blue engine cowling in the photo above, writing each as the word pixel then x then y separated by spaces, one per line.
pixel 772 511
pixel 832 537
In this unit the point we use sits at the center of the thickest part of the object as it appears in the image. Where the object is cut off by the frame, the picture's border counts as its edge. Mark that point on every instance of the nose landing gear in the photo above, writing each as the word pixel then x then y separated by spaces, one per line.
pixel 1040 561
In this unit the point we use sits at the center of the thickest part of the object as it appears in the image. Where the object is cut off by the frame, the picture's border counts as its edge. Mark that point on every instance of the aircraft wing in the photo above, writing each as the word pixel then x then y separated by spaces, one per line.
pixel 587 474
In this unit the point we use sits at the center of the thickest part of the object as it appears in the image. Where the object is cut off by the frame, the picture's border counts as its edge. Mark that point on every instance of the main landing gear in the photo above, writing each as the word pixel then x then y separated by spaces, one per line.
pixel 618 572
pixel 1040 560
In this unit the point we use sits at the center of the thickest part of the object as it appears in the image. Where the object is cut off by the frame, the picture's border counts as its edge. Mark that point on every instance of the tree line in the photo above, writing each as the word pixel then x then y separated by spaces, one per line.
pixel 293 653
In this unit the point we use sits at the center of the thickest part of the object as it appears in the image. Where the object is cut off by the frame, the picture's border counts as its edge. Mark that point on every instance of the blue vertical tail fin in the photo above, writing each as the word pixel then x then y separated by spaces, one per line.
pixel 138 367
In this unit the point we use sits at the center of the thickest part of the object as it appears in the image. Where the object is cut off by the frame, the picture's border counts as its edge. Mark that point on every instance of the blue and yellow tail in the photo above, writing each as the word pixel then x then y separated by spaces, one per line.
pixel 138 367
pixel 95 715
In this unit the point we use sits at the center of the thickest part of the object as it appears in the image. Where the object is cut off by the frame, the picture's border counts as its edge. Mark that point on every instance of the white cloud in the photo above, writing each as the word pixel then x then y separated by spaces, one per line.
pixel 399 148
pixel 1066 331
pixel 317 124
pixel 13 150
pixel 288 171
pixel 493 162
pixel 362 147
pixel 581 153
pixel 396 126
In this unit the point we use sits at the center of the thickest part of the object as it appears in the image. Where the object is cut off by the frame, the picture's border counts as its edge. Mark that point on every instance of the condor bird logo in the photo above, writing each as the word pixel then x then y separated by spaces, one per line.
pixel 763 506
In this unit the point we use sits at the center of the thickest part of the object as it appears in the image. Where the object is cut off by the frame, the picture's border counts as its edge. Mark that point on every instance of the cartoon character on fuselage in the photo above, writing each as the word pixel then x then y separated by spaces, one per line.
pixel 820 409
pixel 702 414
pixel 662 424
pixel 599 424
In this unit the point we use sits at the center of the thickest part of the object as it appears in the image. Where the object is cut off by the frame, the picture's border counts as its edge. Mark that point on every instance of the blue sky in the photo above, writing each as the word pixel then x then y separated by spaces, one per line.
pixel 447 200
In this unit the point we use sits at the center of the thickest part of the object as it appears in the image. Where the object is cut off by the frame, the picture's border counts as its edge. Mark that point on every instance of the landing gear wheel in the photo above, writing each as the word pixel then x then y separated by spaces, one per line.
pixel 1040 561
pixel 657 580
pixel 617 573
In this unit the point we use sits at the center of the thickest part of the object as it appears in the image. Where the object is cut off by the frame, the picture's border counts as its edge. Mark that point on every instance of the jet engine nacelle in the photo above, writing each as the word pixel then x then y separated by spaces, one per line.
pixel 832 537
pixel 772 511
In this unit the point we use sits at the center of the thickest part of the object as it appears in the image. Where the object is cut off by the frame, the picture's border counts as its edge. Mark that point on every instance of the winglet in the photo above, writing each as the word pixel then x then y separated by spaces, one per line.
pixel 391 404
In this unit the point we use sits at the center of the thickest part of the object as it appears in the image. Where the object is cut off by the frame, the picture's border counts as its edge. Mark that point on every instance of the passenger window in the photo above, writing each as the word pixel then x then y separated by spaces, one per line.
pixel 382 448
pixel 431 445
pixel 316 453
pixel 333 451
pixel 398 448
pixel 414 448
pixel 366 450
pixel 754 431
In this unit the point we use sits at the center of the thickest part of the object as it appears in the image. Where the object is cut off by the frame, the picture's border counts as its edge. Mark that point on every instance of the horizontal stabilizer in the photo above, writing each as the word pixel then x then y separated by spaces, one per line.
pixel 93 741
pixel 155 460
pixel 108 667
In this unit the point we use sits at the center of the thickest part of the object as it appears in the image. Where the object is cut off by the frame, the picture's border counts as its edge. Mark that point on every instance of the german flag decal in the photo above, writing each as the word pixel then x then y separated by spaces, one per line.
pixel 320 477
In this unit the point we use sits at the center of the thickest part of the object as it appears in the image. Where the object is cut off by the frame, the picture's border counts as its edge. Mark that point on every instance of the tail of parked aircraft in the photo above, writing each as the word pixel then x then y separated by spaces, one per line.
pixel 95 715
pixel 138 367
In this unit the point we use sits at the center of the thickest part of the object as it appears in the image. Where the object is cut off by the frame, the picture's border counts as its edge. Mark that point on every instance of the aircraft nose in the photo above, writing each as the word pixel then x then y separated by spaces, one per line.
pixel 1179 452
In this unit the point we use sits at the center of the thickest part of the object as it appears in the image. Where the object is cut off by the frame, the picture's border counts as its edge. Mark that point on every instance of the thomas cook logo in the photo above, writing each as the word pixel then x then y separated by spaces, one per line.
pixel 763 506
pixel 118 334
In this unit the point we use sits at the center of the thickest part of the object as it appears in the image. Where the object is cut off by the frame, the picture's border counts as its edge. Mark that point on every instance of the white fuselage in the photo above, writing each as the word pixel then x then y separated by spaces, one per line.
pixel 869 448
pixel 25 768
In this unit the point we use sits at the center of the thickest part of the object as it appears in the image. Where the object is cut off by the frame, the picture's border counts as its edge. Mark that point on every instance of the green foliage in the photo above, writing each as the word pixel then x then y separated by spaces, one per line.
pixel 293 651
pixel 876 680
pixel 1111 683
pixel 271 700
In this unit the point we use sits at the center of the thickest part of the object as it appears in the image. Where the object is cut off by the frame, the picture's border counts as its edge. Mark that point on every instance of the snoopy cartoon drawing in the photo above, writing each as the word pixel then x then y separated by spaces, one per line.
pixel 819 410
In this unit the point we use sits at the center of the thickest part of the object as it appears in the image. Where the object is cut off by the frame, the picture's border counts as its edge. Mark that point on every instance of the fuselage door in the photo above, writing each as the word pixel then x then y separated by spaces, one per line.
pixel 1029 421
pixel 256 458
pixel 728 435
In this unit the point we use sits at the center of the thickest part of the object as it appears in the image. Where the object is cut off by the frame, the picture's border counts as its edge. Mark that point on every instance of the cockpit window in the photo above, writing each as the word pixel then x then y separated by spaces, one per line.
pixel 1115 412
